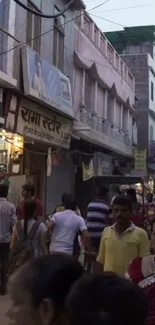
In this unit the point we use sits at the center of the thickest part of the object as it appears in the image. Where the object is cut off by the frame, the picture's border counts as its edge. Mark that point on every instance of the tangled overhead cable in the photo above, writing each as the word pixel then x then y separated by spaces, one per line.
pixel 42 15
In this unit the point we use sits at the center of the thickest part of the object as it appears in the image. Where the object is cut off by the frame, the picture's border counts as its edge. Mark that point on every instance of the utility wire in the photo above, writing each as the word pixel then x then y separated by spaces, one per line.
pixel 128 8
pixel 42 15
pixel 110 21
pixel 50 30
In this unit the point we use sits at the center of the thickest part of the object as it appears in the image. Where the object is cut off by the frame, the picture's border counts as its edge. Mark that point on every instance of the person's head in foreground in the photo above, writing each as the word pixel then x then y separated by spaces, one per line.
pixel 106 299
pixel 122 209
pixel 38 290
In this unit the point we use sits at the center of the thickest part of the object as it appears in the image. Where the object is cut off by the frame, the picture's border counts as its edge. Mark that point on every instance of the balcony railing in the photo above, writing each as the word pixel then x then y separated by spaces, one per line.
pixel 105 128
pixel 106 49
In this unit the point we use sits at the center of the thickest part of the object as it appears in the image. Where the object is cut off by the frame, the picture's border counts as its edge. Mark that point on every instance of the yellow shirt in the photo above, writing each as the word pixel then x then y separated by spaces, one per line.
pixel 116 252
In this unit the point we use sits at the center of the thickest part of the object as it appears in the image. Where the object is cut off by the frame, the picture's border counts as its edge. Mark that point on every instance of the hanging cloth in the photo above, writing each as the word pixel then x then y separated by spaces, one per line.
pixel 88 170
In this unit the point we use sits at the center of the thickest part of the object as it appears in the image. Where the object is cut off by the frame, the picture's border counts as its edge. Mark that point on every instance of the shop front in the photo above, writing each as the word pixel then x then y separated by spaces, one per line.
pixel 36 130
pixel 42 130
pixel 40 123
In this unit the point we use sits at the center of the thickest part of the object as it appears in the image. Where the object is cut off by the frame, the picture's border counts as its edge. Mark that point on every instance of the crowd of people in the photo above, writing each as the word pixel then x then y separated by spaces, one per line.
pixel 39 261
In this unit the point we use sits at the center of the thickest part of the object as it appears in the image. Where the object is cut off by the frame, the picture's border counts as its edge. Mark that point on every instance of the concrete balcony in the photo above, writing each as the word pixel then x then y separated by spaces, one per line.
pixel 104 134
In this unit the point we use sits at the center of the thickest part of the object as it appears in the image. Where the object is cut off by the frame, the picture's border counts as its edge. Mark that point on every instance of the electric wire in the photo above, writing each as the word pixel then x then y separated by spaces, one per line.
pixel 108 20
pixel 51 29
pixel 128 8
pixel 42 15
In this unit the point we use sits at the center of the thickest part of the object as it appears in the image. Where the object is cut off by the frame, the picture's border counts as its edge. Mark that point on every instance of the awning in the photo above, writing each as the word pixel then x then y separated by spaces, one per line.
pixel 82 62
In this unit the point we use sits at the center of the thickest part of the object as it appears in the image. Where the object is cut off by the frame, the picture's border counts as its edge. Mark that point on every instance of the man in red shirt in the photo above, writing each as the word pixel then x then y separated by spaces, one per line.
pixel 28 193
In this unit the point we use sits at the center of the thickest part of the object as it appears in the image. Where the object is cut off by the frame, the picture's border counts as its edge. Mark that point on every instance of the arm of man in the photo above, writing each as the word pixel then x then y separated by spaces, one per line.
pixel 40 210
pixel 13 217
pixel 85 235
pixel 101 255
pixel 144 246
pixel 43 239
pixel 51 223
pixel 13 237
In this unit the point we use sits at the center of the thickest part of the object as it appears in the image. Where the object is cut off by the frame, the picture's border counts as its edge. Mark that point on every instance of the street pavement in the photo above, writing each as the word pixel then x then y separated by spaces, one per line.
pixel 4 306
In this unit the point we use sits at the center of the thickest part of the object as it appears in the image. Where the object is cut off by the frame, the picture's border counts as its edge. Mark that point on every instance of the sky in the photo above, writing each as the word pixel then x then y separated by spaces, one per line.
pixel 142 13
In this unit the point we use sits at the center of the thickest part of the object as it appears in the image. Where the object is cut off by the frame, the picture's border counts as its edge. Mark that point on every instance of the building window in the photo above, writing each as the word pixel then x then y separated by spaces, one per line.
pixel 33 29
pixel 58 41
pixel 88 91
pixel 37 3
pixel 151 133
pixel 152 91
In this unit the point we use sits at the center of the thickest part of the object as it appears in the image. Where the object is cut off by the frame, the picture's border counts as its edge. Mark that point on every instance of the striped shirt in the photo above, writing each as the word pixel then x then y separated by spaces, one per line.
pixel 97 218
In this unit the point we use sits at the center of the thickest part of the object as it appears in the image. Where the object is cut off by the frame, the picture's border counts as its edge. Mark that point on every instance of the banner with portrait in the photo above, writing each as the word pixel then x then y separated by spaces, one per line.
pixel 45 82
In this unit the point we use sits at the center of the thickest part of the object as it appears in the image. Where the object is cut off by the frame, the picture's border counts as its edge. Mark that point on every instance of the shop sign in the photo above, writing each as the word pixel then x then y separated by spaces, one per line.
pixel 43 126
pixel 140 160
pixel 45 82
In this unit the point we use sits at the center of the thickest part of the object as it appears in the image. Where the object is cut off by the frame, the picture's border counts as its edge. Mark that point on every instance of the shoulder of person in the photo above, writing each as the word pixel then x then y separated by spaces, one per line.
pixel 11 205
pixel 140 232
pixel 106 231
pixel 37 200
pixel 42 228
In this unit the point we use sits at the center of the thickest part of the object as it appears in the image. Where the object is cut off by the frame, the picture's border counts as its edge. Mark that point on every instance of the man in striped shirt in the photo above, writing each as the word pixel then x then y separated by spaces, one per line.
pixel 97 216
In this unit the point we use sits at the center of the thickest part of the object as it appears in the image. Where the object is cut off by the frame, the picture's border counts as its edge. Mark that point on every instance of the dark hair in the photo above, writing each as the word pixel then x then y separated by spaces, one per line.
pixel 4 189
pixel 69 202
pixel 29 188
pixel 106 299
pixel 132 194
pixel 102 191
pixel 48 277
pixel 116 189
pixel 29 212
pixel 123 200
pixel 37 59
pixel 64 197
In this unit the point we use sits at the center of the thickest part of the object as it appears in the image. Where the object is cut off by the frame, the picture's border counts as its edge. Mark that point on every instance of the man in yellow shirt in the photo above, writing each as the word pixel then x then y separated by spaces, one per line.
pixel 123 242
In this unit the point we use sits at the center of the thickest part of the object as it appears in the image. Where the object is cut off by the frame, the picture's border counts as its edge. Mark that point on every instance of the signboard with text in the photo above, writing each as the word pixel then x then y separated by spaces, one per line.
pixel 40 125
pixel 140 160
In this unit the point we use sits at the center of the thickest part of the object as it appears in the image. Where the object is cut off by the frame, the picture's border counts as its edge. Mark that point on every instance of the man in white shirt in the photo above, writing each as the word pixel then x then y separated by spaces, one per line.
pixel 7 221
pixel 64 226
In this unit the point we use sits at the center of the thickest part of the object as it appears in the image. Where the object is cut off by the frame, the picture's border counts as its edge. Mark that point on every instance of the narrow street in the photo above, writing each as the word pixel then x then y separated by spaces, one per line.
pixel 4 306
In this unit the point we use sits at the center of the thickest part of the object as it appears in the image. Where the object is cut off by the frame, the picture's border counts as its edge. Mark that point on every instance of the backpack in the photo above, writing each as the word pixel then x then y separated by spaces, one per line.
pixel 23 250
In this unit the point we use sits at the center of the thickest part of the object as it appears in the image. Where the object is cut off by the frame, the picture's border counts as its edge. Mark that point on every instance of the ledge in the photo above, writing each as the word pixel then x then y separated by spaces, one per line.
pixel 7 81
